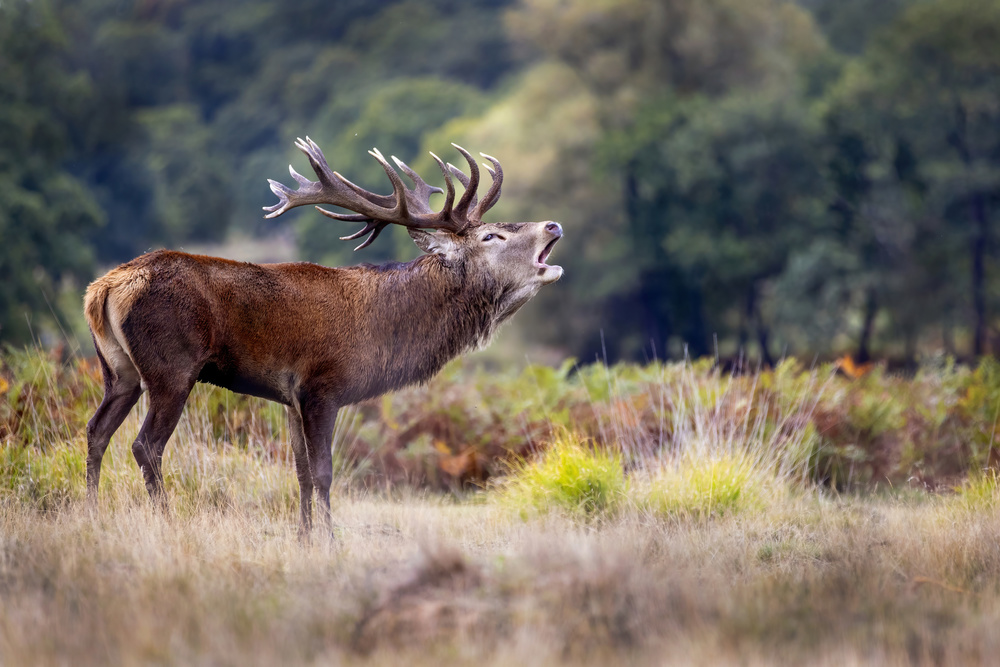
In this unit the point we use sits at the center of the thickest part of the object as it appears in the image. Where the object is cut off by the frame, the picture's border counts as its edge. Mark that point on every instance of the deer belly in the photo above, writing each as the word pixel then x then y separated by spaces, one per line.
pixel 242 382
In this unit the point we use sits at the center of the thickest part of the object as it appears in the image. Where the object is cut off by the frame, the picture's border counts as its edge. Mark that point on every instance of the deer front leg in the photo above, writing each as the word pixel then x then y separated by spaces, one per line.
pixel 302 470
pixel 318 418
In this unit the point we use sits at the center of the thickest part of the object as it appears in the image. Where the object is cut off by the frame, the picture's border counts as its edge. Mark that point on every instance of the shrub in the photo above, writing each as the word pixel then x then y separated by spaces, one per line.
pixel 807 425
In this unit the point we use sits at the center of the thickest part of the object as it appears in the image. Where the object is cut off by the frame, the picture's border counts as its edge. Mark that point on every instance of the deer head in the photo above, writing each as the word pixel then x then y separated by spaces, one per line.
pixel 512 254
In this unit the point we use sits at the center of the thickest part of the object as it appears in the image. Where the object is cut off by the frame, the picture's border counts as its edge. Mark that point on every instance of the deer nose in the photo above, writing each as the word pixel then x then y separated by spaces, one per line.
pixel 554 228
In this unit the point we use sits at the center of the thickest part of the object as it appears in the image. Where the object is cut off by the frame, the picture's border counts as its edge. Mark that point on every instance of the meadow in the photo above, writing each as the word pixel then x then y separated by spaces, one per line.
pixel 669 513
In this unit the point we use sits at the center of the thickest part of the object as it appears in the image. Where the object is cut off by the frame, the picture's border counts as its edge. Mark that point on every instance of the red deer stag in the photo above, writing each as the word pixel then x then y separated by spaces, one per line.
pixel 307 336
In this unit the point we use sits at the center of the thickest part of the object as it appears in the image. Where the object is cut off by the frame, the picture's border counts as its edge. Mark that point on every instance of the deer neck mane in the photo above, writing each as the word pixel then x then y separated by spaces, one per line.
pixel 425 313
pixel 445 303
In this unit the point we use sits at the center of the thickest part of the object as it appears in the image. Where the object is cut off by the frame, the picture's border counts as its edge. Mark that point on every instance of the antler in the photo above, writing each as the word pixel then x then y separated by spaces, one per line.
pixel 409 207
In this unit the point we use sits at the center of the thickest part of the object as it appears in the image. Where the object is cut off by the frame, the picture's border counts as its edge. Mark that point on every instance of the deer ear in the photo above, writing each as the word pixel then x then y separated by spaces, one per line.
pixel 434 243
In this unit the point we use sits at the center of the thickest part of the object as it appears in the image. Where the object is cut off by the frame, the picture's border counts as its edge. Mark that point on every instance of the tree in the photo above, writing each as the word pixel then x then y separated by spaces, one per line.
pixel 45 212
pixel 722 192
pixel 924 103
pixel 640 63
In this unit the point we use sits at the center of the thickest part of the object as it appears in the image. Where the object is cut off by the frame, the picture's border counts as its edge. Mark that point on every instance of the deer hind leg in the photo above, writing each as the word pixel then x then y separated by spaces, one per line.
pixel 302 469
pixel 318 419
pixel 122 388
pixel 165 408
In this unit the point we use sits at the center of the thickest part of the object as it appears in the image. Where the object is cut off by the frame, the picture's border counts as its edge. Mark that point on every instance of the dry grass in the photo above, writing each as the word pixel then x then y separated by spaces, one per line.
pixel 717 549
pixel 813 580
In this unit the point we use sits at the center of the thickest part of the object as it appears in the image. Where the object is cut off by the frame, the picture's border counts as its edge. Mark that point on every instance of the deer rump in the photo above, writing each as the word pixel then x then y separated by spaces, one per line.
pixel 310 337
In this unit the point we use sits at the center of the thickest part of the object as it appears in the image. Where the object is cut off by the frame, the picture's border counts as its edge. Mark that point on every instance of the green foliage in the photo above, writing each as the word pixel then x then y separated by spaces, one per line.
pixel 569 476
pixel 189 187
pixel 913 124
pixel 461 427
pixel 46 212
pixel 699 434
pixel 237 419
pixel 44 401
pixel 46 480
pixel 722 192
pixel 752 177
pixel 875 412
pixel 850 24
pixel 981 491
pixel 700 171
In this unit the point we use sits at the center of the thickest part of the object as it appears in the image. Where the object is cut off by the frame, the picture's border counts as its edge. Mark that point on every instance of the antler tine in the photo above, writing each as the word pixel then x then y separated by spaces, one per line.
pixel 373 226
pixel 493 194
pixel 471 184
pixel 449 198
pixel 370 225
pixel 492 197
pixel 316 158
pixel 346 217
pixel 384 201
pixel 399 211
pixel 283 192
pixel 460 175
pixel 463 179
pixel 422 187
pixel 326 176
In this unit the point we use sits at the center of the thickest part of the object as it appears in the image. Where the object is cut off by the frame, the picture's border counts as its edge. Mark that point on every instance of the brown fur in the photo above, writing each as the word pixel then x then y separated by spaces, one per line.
pixel 126 282
pixel 310 337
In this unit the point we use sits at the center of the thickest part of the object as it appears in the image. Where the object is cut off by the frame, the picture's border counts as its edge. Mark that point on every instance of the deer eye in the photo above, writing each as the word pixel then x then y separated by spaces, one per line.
pixel 488 237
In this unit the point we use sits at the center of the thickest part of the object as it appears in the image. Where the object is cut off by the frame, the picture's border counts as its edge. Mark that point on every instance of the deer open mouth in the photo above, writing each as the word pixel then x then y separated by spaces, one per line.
pixel 540 262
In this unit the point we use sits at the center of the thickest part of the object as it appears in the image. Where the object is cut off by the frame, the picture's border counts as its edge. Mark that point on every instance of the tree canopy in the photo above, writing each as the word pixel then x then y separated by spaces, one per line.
pixel 735 176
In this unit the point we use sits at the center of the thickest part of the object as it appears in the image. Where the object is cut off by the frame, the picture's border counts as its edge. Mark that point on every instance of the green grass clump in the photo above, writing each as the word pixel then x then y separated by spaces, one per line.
pixel 46 480
pixel 569 477
pixel 981 491
pixel 704 487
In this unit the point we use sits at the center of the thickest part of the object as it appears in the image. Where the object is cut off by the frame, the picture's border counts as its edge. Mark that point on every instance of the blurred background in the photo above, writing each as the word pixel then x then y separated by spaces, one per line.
pixel 754 177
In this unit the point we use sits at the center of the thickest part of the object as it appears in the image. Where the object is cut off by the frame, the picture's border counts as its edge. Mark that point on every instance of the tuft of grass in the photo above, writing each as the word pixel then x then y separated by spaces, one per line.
pixel 701 488
pixel 44 480
pixel 981 491
pixel 569 476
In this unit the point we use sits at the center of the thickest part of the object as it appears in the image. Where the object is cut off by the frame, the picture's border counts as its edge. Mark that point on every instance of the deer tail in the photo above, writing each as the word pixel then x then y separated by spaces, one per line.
pixel 110 297
pixel 94 302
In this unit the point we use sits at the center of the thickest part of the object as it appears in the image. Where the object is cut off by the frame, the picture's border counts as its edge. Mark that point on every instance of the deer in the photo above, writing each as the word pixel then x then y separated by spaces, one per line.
pixel 310 337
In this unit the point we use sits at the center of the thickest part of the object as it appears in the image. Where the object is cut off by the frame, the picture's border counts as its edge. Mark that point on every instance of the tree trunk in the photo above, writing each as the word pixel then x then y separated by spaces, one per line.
pixel 867 327
pixel 977 204
pixel 978 278
pixel 948 338
pixel 763 334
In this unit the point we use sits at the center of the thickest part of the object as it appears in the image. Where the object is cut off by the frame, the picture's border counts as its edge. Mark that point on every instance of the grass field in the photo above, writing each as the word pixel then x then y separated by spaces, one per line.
pixel 666 514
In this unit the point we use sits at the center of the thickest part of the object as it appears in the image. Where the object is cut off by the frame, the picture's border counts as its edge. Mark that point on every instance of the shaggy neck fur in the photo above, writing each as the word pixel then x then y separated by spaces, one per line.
pixel 424 313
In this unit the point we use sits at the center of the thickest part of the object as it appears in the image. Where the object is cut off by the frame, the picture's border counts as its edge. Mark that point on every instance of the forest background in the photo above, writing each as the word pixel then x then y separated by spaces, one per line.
pixel 769 178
